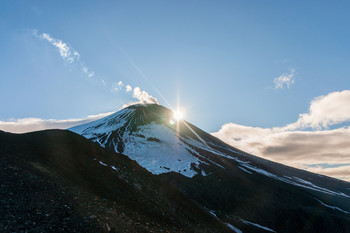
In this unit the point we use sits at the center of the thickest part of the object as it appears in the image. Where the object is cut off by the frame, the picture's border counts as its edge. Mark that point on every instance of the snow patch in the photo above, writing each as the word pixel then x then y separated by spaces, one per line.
pixel 101 126
pixel 243 169
pixel 199 155
pixel 259 170
pixel 294 181
pixel 213 213
pixel 257 225
pixel 333 207
pixel 102 163
pixel 235 229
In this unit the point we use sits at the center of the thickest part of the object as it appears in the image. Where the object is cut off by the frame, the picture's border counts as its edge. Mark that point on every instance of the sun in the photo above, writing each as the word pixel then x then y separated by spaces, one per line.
pixel 178 115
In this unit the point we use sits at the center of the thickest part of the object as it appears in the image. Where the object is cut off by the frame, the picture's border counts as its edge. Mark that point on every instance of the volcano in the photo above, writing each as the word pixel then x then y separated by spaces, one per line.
pixel 150 135
pixel 244 191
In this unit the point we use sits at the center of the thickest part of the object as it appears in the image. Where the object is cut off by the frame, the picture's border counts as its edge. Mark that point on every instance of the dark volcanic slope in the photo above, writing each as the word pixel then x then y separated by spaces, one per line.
pixel 58 181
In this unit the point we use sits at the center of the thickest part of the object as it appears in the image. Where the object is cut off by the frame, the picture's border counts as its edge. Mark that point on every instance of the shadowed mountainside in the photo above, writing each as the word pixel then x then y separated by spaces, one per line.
pixel 58 181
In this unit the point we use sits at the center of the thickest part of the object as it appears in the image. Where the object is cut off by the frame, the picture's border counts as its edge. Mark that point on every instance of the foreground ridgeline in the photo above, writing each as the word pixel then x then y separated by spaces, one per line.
pixel 57 181
pixel 140 170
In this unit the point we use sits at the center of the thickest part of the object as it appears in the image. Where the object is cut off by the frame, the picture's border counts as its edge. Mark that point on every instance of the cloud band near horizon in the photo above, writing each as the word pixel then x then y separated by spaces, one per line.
pixel 318 149
pixel 25 125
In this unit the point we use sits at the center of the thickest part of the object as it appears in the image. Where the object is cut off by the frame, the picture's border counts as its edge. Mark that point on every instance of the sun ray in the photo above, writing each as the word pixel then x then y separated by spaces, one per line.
pixel 189 127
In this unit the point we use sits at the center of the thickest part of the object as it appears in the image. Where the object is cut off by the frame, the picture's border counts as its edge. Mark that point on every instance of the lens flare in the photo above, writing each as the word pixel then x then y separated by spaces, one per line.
pixel 178 115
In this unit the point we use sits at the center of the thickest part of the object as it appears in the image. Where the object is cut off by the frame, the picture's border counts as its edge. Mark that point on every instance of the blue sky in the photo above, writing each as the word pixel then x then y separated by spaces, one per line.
pixel 219 58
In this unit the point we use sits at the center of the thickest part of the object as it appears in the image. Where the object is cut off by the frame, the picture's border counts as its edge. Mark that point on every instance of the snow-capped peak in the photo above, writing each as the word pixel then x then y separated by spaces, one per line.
pixel 149 135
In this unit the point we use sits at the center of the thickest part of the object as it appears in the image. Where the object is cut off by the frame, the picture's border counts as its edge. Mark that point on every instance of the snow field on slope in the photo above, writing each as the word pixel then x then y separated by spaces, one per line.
pixel 169 154
pixel 101 126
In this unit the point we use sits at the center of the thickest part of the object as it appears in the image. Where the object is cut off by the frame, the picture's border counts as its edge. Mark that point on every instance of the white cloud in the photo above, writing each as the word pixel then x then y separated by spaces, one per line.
pixel 117 86
pixel 128 88
pixel 325 111
pixel 285 80
pixel 76 54
pixel 143 97
pixel 291 146
pixel 294 148
pixel 34 124
pixel 86 71
pixel 70 55
pixel 67 53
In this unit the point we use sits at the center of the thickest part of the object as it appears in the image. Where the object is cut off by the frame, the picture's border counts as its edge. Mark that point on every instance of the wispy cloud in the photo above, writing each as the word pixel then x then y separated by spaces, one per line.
pixel 117 86
pixel 293 146
pixel 70 55
pixel 142 96
pixel 67 53
pixel 34 124
pixel 128 88
pixel 87 71
pixel 285 80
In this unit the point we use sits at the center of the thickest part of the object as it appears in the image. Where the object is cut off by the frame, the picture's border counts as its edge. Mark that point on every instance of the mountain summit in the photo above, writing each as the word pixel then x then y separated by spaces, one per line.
pixel 150 135
pixel 245 192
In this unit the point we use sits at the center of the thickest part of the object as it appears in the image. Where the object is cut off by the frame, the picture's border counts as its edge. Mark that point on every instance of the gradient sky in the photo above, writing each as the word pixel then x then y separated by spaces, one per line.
pixel 253 63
